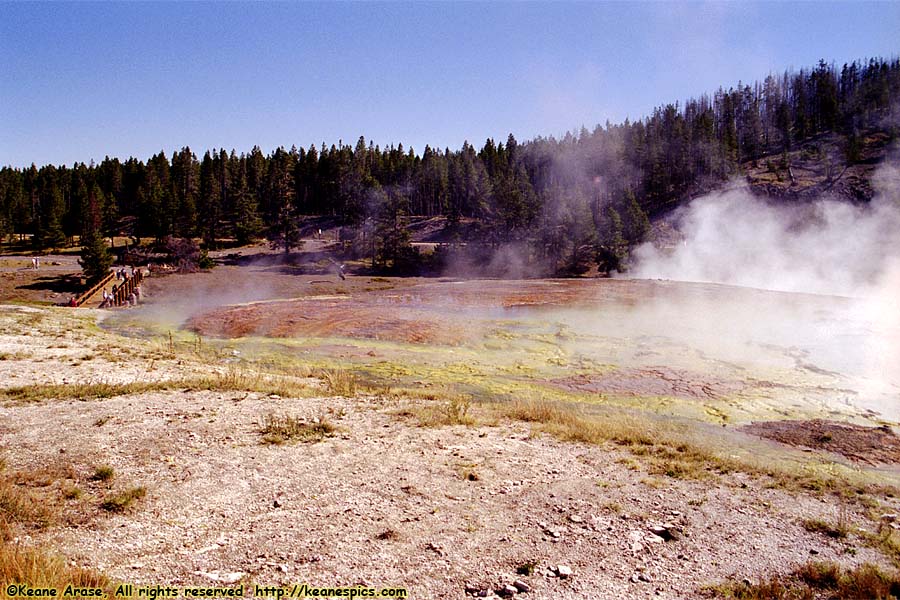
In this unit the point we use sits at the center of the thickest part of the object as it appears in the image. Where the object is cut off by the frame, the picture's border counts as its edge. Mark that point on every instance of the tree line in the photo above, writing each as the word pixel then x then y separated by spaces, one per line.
pixel 582 198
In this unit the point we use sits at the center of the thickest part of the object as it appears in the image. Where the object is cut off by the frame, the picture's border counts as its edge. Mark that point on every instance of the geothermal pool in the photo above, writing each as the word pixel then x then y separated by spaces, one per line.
pixel 711 351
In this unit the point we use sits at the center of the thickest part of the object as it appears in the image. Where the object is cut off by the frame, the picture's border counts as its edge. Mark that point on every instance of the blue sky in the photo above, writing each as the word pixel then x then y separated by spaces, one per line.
pixel 79 81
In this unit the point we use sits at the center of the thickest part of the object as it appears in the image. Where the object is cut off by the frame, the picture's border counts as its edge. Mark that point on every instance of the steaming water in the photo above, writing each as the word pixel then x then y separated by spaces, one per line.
pixel 798 304
pixel 800 349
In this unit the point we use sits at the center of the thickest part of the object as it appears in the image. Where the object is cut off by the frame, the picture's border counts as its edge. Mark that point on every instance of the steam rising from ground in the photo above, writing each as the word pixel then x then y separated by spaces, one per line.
pixel 824 247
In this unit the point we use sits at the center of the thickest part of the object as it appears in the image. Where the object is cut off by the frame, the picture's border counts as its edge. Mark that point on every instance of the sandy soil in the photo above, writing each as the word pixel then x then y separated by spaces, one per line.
pixel 384 502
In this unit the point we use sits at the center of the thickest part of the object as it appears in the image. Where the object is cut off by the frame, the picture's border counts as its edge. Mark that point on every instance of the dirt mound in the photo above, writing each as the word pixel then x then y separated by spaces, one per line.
pixel 871 445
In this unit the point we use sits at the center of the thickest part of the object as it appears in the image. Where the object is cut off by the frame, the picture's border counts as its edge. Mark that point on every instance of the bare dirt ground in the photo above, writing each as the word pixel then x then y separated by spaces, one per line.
pixel 871 445
pixel 53 283
pixel 447 511
pixel 383 501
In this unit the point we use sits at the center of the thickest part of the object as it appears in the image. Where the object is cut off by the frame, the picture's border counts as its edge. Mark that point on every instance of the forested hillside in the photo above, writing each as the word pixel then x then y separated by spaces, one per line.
pixel 569 202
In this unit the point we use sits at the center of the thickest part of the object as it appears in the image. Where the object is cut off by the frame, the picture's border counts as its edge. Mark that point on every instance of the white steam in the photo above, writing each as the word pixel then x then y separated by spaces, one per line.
pixel 824 247
pixel 828 247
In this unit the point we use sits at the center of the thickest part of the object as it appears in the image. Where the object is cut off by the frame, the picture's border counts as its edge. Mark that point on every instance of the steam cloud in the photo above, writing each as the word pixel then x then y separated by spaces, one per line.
pixel 826 247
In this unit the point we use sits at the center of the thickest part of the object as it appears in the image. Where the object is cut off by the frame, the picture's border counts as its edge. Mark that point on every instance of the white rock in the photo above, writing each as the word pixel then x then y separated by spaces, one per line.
pixel 563 571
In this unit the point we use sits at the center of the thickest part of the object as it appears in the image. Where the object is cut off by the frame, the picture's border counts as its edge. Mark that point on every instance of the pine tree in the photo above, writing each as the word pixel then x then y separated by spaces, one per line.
pixel 612 251
pixel 95 257
pixel 247 223
pixel 285 231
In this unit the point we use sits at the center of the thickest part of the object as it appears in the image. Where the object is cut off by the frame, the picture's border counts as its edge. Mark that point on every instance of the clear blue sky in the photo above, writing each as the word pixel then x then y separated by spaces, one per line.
pixel 80 81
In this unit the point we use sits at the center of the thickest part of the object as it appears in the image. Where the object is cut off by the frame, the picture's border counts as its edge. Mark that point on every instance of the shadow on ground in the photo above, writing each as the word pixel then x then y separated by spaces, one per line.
pixel 61 284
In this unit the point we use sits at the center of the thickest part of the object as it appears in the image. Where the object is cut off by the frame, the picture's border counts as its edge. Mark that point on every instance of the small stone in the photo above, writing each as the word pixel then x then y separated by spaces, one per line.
pixel 644 577
pixel 472 589
pixel 813 551
pixel 666 531
pixel 889 517
pixel 521 586
pixel 276 504
pixel 576 519
pixel 746 582
pixel 507 590
pixel 563 571
pixel 635 578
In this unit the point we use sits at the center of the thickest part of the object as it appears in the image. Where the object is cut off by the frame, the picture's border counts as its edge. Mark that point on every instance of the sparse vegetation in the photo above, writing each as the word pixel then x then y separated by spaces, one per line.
pixel 122 501
pixel 455 411
pixel 103 473
pixel 667 451
pixel 19 564
pixel 19 507
pixel 221 382
pixel 817 580
pixel 339 382
pixel 822 526
pixel 286 428
pixel 887 540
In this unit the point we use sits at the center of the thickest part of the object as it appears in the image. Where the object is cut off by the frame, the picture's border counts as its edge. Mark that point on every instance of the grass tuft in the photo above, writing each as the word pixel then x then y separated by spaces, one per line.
pixel 340 382
pixel 122 501
pixel 285 428
pixel 454 411
pixel 103 473
pixel 814 580
pixel 39 569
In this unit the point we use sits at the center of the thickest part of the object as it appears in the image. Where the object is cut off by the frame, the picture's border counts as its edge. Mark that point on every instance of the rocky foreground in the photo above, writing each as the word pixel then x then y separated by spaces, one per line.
pixel 385 495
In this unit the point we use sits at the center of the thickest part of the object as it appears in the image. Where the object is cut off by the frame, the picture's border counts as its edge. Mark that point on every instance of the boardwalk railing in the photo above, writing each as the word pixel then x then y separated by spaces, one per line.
pixel 122 291
pixel 96 288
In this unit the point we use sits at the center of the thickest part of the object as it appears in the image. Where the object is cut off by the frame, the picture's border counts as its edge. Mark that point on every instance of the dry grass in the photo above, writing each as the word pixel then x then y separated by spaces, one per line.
pixel 285 428
pixel 887 540
pixel 122 501
pixel 77 391
pixel 833 530
pixel 39 569
pixel 220 382
pixel 665 450
pixel 21 507
pixel 340 382
pixel 817 580
pixel 103 473
pixel 20 504
pixel 663 453
pixel 455 411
